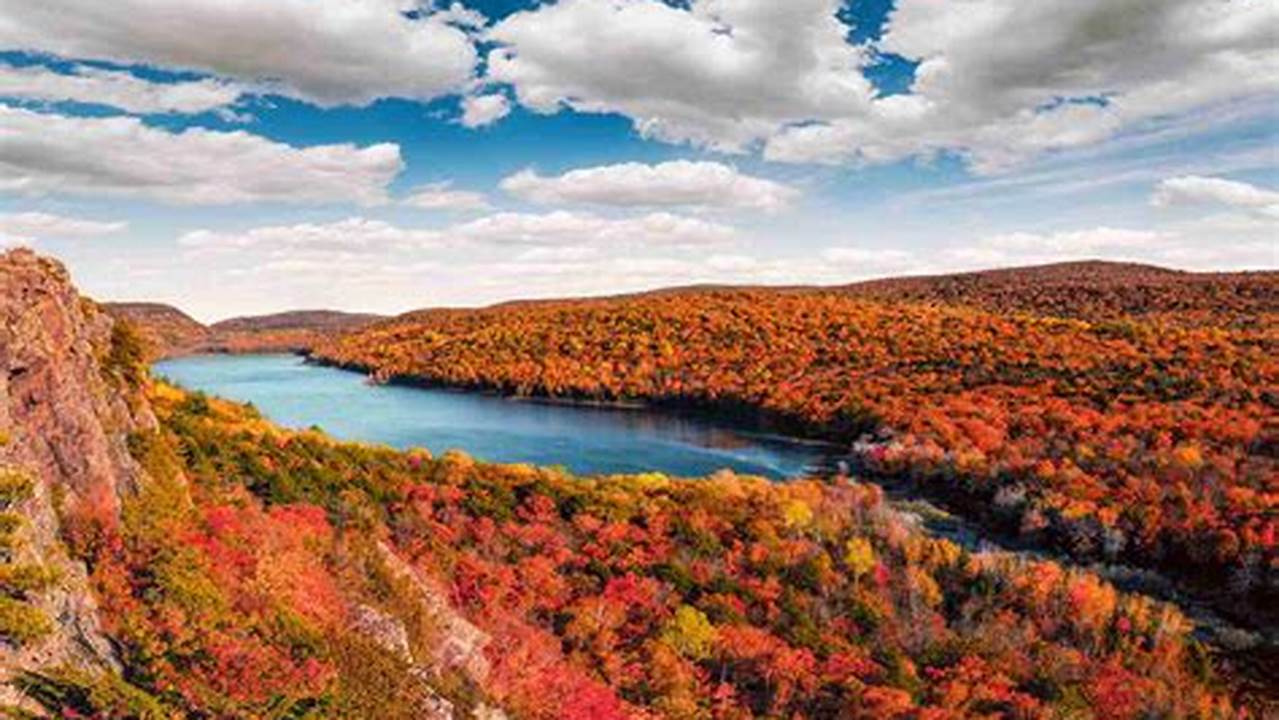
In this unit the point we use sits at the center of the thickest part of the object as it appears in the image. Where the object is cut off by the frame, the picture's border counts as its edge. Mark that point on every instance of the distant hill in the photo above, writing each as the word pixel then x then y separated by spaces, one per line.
pixel 171 332
pixel 1092 290
pixel 296 331
pixel 167 329
pixel 296 320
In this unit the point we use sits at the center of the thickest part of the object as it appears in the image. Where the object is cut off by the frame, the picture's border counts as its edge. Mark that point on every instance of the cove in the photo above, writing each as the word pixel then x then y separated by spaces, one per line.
pixel 586 440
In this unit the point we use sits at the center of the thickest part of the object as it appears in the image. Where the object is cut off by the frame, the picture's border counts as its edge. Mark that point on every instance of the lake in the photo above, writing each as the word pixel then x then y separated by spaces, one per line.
pixel 586 440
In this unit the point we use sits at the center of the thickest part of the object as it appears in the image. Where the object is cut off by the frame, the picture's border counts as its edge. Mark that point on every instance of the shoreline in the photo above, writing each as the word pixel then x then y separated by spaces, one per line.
pixel 1250 645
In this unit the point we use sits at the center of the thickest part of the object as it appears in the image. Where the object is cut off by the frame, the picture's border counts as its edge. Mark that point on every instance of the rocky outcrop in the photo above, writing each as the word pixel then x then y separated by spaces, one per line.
pixel 460 645
pixel 69 397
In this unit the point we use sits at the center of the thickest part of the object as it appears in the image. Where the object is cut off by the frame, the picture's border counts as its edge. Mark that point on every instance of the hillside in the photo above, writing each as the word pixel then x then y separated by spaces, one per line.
pixel 1128 439
pixel 169 332
pixel 1095 291
pixel 70 392
pixel 296 320
pixel 164 327
pixel 241 570
pixel 296 331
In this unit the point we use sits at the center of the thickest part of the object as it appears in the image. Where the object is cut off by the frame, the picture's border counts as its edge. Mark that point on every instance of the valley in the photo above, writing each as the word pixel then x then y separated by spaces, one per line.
pixel 240 568
pixel 639 360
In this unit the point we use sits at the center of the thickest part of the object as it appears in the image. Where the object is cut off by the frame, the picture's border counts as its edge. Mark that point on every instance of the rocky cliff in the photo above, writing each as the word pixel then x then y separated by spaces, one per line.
pixel 79 420
pixel 69 397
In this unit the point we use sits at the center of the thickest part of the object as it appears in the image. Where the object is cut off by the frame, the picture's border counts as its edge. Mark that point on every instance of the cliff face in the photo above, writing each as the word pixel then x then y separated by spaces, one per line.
pixel 68 401
pixel 73 390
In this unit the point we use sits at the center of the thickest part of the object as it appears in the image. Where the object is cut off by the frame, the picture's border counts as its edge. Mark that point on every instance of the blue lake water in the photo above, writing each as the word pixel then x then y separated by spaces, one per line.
pixel 585 440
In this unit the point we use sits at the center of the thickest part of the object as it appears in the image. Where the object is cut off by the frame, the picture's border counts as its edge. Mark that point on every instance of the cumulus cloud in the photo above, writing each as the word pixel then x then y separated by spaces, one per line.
pixel 1200 190
pixel 1031 248
pixel 441 196
pixel 481 110
pixel 1205 244
pixel 571 228
pixel 1001 81
pixel 722 73
pixel 1078 241
pixel 1219 243
pixel 328 52
pixel 43 153
pixel 998 81
pixel 557 236
pixel 870 260
pixel 116 88
pixel 32 225
pixel 351 234
pixel 681 182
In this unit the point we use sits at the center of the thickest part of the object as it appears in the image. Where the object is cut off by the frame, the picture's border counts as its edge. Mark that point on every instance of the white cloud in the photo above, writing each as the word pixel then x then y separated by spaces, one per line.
pixel 870 260
pixel 1200 190
pixel 1216 243
pixel 1079 241
pixel 116 88
pixel 1002 81
pixel 1030 248
pixel 553 237
pixel 328 52
pixel 570 228
pixel 1221 243
pixel 349 235
pixel 441 196
pixel 999 81
pixel 29 226
pixel 569 253
pixel 43 153
pixel 680 182
pixel 481 110
pixel 723 73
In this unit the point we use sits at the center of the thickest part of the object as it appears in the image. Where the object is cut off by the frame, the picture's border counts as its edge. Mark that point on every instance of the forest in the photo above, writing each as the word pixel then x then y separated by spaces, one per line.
pixel 1123 438
pixel 250 575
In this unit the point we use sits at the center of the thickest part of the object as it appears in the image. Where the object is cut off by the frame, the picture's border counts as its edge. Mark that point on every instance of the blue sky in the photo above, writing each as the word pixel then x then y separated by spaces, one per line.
pixel 391 154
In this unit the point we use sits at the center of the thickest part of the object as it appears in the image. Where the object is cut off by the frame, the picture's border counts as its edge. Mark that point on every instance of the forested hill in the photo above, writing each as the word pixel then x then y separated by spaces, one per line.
pixel 1147 438
pixel 170 332
pixel 1095 291
pixel 166 329
pixel 220 566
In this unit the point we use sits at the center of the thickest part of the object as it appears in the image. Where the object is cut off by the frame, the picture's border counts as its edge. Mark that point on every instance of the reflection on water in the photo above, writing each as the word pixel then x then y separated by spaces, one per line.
pixel 586 440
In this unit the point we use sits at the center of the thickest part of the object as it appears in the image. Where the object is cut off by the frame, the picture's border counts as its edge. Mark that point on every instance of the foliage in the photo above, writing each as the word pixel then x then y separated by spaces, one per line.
pixel 21 622
pixel 75 693
pixel 15 487
pixel 126 355
pixel 610 597
pixel 1118 436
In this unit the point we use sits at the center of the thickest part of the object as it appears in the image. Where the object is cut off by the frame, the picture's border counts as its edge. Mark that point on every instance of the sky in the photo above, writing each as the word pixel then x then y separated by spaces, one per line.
pixel 238 158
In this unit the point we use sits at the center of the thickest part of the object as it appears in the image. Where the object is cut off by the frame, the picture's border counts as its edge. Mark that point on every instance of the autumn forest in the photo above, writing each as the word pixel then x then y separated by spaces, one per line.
pixel 1127 458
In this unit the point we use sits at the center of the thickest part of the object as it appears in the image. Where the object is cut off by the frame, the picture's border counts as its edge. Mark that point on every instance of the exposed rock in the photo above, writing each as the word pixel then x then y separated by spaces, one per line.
pixel 461 644
pixel 485 712
pixel 387 631
pixel 65 420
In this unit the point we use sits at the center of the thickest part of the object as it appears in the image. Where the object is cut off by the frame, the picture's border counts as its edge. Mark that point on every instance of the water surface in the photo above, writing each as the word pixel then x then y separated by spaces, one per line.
pixel 586 440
